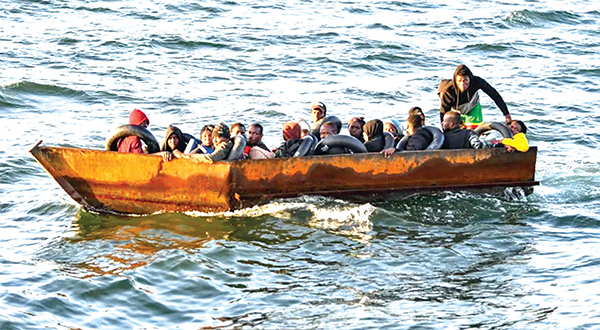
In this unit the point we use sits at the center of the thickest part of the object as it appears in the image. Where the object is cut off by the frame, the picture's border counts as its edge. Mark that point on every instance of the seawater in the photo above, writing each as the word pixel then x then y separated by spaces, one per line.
pixel 71 71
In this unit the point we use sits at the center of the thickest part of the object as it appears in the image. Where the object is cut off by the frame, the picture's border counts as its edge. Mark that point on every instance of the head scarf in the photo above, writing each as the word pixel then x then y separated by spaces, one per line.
pixel 291 130
pixel 137 117
pixel 373 128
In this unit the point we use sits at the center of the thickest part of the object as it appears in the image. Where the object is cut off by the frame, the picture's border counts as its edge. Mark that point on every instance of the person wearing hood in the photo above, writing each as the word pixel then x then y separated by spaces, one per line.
pixel 373 135
pixel 291 136
pixel 133 144
pixel 393 127
pixel 221 143
pixel 461 94
pixel 173 140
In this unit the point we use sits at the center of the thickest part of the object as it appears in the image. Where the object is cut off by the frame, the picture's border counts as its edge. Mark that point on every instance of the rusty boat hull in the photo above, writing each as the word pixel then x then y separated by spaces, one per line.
pixel 109 181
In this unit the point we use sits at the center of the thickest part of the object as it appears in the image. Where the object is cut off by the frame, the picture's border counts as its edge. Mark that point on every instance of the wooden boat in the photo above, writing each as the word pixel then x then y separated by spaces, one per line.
pixel 108 181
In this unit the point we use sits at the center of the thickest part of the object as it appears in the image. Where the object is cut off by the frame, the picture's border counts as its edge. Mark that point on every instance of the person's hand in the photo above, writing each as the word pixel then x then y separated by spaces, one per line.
pixel 167 156
pixel 508 119
pixel 388 152
pixel 510 149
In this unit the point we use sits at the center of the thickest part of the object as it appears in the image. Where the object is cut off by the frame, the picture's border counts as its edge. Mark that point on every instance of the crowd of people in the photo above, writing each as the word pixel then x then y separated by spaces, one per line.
pixel 460 114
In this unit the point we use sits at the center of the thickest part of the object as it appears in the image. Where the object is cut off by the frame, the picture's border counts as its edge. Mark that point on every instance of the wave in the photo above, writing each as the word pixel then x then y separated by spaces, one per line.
pixel 538 18
pixel 176 42
pixel 194 7
pixel 28 87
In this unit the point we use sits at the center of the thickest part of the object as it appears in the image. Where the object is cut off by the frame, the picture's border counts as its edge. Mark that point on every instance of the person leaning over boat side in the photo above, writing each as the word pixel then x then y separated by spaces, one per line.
pixel 222 143
pixel 461 94
pixel 291 136
pixel 173 140
pixel 456 137
pixel 418 137
pixel 132 144
pixel 519 141
pixel 255 148
pixel 355 128
pixel 373 135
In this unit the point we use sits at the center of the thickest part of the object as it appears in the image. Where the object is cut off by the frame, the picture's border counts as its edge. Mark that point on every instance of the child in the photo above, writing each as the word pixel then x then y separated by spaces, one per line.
pixel 519 141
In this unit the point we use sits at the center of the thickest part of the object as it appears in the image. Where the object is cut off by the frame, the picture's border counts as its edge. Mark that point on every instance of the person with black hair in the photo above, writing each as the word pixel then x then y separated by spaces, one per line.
pixel 461 94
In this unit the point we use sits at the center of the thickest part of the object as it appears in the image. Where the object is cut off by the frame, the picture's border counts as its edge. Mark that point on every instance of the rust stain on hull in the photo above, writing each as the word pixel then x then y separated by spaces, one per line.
pixel 130 183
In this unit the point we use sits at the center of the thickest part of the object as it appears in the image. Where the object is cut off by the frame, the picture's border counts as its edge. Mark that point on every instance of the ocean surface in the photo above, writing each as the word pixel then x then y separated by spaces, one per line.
pixel 71 71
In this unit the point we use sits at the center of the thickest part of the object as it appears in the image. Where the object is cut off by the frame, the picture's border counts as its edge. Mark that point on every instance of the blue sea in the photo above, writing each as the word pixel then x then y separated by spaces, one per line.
pixel 71 71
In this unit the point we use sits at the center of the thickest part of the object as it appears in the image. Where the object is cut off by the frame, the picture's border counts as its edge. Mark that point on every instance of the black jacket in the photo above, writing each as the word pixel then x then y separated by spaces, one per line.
pixel 420 140
pixel 451 96
pixel 460 138
pixel 288 148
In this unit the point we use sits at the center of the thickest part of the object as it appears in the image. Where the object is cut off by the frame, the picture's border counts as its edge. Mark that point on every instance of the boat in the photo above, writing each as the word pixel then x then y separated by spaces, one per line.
pixel 108 181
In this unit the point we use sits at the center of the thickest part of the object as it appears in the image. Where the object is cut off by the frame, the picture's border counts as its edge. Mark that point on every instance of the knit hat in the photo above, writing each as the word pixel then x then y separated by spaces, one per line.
pixel 137 117
pixel 291 130
pixel 221 130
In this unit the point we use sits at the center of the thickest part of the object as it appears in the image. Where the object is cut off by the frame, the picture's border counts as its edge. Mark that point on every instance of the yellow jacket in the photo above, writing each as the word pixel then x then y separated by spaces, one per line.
pixel 519 142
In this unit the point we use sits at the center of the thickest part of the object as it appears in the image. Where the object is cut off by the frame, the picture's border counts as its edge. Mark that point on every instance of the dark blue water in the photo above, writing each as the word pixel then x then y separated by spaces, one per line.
pixel 72 71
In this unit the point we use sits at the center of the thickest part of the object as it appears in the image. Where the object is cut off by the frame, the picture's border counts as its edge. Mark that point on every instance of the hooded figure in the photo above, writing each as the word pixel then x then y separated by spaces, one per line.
pixel 291 135
pixel 460 94
pixel 172 130
pixel 133 144
pixel 373 134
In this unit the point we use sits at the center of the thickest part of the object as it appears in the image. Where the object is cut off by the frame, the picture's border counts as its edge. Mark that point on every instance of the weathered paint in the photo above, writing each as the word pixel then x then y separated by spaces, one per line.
pixel 131 183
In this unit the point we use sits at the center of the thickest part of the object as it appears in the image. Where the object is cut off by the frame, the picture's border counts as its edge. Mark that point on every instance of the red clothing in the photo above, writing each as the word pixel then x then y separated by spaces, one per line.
pixel 131 144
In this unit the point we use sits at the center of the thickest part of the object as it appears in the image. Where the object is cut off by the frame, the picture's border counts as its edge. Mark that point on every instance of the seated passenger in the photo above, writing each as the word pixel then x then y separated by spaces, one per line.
pixel 394 128
pixel 237 128
pixel 456 137
pixel 373 135
pixel 327 129
pixel 419 112
pixel 355 128
pixel 519 141
pixel 255 148
pixel 173 140
pixel 133 144
pixel 206 145
pixel 418 137
pixel 222 143
pixel 291 136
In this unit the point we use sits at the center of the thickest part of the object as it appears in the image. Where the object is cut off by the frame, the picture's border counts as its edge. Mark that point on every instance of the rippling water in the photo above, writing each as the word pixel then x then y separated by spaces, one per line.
pixel 72 71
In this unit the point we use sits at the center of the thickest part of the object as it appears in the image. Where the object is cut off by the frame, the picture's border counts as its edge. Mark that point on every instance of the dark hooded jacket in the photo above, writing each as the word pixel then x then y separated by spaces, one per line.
pixel 164 146
pixel 451 97
pixel 374 130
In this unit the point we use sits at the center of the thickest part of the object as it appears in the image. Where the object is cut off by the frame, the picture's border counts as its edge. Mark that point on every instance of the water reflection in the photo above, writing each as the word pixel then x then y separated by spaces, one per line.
pixel 109 244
